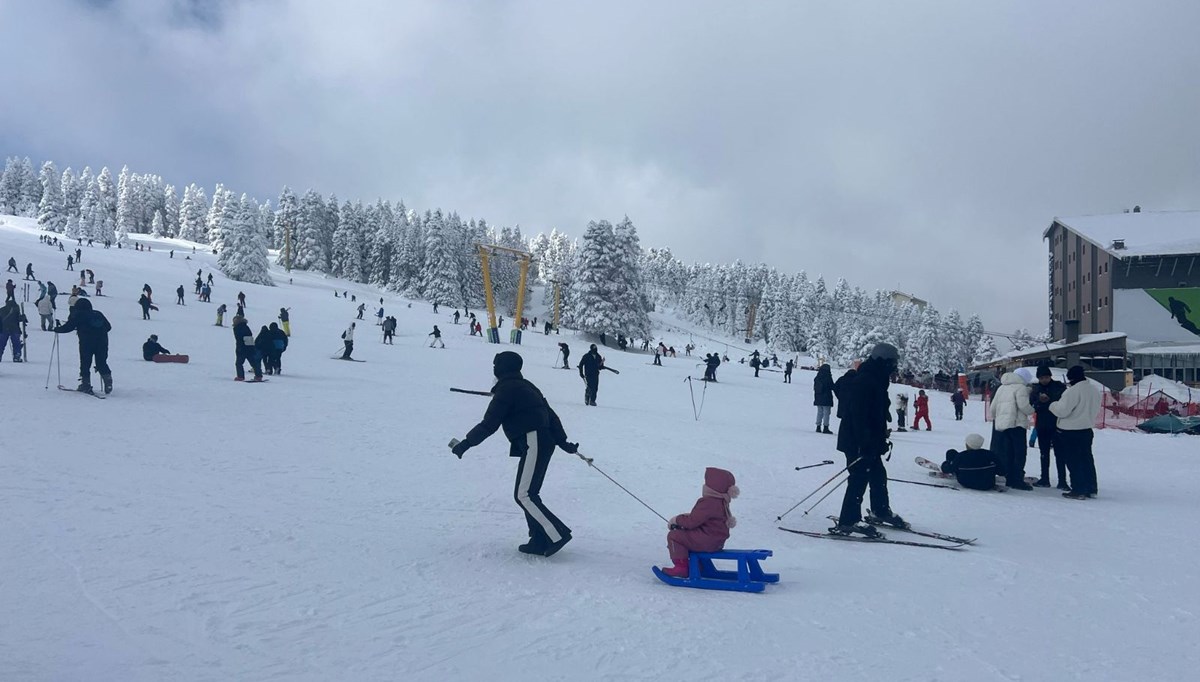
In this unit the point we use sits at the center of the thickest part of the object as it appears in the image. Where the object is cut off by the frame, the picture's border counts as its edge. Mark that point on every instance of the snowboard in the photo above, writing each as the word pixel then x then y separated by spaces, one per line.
pixel 171 358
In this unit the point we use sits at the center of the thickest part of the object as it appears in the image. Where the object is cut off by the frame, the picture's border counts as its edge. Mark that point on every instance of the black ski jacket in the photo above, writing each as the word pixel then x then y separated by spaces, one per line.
pixel 975 469
pixel 1046 421
pixel 589 365
pixel 11 319
pixel 518 407
pixel 91 325
pixel 152 348
pixel 864 402
pixel 823 389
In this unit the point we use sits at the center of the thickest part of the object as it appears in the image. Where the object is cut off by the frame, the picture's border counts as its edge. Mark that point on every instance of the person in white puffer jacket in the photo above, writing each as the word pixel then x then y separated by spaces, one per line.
pixel 1010 411
pixel 1077 410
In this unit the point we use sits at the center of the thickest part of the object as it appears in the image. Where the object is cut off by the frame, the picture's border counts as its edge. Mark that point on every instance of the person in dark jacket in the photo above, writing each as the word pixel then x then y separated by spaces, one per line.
pixel 755 363
pixel 279 343
pixel 151 347
pixel 787 372
pixel 533 430
pixel 244 350
pixel 11 319
pixel 823 397
pixel 975 467
pixel 1047 390
pixel 179 295
pixel 589 370
pixel 147 306
pixel 959 401
pixel 92 328
pixel 863 438
pixel 264 343
pixel 566 355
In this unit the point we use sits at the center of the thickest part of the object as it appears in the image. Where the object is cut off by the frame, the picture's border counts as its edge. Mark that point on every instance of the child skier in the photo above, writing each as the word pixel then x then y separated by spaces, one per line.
pixel 706 528
pixel 922 406
pixel 437 337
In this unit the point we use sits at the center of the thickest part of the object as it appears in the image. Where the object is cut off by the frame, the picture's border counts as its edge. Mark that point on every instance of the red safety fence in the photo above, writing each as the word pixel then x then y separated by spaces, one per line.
pixel 1125 410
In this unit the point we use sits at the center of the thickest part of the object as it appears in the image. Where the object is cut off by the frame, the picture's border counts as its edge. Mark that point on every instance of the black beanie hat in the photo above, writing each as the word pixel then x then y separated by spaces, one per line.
pixel 506 362
pixel 1044 371
pixel 1075 374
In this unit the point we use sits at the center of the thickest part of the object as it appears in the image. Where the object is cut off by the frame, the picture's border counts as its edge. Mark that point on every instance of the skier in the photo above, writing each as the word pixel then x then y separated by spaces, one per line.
pixel 147 306
pixel 706 527
pixel 52 292
pixel 1010 410
pixel 348 339
pixel 241 300
pixel 70 262
pixel 533 429
pixel 209 280
pixel 12 265
pixel 379 315
pixel 787 371
pixel 437 337
pixel 657 358
pixel 99 287
pixel 285 321
pixel 279 343
pixel 974 467
pixel 179 295
pixel 244 350
pixel 92 328
pixel 589 370
pixel 152 348
pixel 456 317
pixel 755 363
pixel 199 284
pixel 389 330
pixel 922 408
pixel 959 400
pixel 902 413
pixel 10 291
pixel 566 354
pixel 1076 411
pixel 862 437
pixel 711 362
pixel 361 308
pixel 1047 390
pixel 79 254
pixel 29 271
pixel 546 329
pixel 11 319
pixel 221 315
pixel 435 306
pixel 823 397
pixel 46 313
pixel 264 345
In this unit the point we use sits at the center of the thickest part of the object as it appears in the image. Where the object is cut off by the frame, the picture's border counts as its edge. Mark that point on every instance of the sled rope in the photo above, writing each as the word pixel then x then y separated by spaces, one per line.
pixel 592 464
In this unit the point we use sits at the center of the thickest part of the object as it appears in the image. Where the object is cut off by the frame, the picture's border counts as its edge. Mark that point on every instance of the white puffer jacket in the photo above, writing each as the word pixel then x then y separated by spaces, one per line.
pixel 1010 406
pixel 1078 407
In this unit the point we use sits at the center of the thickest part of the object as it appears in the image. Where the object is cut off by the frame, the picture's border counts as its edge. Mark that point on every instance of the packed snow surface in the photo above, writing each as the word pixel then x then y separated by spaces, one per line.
pixel 316 527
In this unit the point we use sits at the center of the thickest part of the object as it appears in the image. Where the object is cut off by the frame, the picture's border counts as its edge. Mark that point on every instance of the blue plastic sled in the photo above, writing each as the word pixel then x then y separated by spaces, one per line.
pixel 702 574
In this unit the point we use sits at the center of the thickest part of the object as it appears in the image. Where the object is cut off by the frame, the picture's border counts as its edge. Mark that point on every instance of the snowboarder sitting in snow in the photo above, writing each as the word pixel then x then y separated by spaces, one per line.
pixel 706 528
pixel 152 348
pixel 533 430
pixel 974 467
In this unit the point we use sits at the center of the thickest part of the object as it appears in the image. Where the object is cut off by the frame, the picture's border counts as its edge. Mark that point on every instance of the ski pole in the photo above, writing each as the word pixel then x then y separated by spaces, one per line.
pixel 931 485
pixel 463 390
pixel 810 466
pixel 592 464
pixel 789 511
pixel 814 505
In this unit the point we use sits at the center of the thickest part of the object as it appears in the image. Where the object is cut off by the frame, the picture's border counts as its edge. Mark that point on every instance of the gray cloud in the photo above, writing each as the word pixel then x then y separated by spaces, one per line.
pixel 923 145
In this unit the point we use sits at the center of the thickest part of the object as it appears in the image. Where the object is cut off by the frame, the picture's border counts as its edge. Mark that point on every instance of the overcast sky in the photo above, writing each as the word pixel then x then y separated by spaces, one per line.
pixel 919 145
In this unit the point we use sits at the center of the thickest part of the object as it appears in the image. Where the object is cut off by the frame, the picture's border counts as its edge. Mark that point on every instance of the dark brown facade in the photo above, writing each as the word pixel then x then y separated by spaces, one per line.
pixel 1081 283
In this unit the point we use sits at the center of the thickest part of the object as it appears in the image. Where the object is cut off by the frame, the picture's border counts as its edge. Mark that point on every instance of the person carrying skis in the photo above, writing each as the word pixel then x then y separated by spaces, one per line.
pixel 152 348
pixel 179 295
pixel 11 319
pixel 533 430
pixel 1047 390
pixel 589 370
pixel 147 306
pixel 285 321
pixel 1010 410
pixel 348 340
pixel 787 371
pixel 863 438
pixel 975 467
pixel 437 337
pixel 244 350
pixel 566 354
pixel 823 397
pixel 362 307
pixel 922 407
pixel 389 330
pixel 92 328
pixel 959 401
pixel 1077 410
pixel 221 315
pixel 706 527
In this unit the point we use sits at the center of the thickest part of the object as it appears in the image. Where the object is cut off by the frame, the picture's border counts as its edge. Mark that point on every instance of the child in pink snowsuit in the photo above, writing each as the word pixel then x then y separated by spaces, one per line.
pixel 706 528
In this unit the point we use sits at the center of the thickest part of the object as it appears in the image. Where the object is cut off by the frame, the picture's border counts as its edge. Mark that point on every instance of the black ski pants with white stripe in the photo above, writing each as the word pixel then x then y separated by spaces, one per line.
pixel 544 527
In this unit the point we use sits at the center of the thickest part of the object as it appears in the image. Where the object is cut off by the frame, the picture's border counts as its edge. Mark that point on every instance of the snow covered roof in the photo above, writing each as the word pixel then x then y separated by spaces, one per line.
pixel 1148 233
pixel 1153 383
pixel 1041 348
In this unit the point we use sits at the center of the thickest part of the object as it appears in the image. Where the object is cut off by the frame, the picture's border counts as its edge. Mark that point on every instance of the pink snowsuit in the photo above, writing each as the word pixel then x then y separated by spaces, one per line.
pixel 706 528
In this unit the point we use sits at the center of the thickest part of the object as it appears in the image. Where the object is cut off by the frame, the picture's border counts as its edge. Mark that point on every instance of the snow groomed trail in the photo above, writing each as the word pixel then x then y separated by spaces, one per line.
pixel 316 527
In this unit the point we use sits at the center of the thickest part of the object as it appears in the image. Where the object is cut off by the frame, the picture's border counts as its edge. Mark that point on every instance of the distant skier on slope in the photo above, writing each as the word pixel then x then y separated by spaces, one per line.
pixel 437 337
pixel 566 354
pixel 92 328
pixel 348 340
pixel 244 350
pixel 533 430
pixel 589 370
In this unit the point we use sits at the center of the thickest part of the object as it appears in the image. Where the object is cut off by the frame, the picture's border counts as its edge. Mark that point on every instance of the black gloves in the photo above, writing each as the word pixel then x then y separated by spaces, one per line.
pixel 460 448
pixel 571 448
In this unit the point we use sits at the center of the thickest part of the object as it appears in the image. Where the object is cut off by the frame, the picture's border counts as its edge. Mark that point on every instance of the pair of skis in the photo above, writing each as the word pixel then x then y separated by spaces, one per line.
pixel 955 543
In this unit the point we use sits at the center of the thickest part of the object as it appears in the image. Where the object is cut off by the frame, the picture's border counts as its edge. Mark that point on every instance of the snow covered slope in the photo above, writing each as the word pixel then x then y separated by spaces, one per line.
pixel 316 527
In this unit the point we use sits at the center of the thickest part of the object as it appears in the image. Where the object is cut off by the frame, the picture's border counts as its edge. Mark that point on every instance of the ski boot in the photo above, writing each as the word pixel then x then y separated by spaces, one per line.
pixel 888 518
pixel 85 388
pixel 106 380
pixel 863 529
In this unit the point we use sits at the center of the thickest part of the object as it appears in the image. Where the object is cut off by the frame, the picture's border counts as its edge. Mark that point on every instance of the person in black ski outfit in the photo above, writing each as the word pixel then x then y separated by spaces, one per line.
pixel 863 438
pixel 92 328
pixel 1043 392
pixel 264 343
pixel 279 343
pixel 589 370
pixel 151 347
pixel 711 362
pixel 533 430
pixel 566 354
pixel 959 401
pixel 179 295
pixel 244 349
pixel 975 467
pixel 144 301
pixel 755 363
pixel 11 319
pixel 823 397
pixel 787 371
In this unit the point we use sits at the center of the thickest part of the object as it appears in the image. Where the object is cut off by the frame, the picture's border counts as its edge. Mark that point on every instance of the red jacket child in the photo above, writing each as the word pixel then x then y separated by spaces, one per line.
pixel 706 528
pixel 922 407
